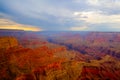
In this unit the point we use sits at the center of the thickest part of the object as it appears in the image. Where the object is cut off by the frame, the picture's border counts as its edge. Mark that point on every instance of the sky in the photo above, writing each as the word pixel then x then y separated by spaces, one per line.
pixel 60 15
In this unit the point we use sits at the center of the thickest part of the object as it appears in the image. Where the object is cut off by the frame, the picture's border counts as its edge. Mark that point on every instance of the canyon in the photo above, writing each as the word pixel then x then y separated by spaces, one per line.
pixel 61 55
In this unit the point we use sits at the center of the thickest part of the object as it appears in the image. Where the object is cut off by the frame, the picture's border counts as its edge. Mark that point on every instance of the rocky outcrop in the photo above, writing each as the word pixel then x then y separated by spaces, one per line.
pixel 8 42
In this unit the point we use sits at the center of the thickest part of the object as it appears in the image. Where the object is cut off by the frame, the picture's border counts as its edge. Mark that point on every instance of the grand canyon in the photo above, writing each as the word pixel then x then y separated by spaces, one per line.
pixel 59 55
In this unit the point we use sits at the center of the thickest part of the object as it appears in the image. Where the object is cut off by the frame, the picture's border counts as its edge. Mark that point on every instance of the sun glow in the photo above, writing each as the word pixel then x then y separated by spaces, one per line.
pixel 8 24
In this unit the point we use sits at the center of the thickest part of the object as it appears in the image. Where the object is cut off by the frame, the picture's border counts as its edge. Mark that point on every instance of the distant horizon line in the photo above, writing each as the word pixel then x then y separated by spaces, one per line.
pixel 54 30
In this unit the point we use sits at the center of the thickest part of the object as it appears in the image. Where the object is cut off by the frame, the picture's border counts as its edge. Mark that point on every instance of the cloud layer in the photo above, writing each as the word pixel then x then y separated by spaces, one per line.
pixel 54 15
pixel 97 17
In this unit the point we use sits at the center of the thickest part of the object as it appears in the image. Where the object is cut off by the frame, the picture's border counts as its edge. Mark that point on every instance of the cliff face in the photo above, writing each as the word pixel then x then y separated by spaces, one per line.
pixel 7 42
